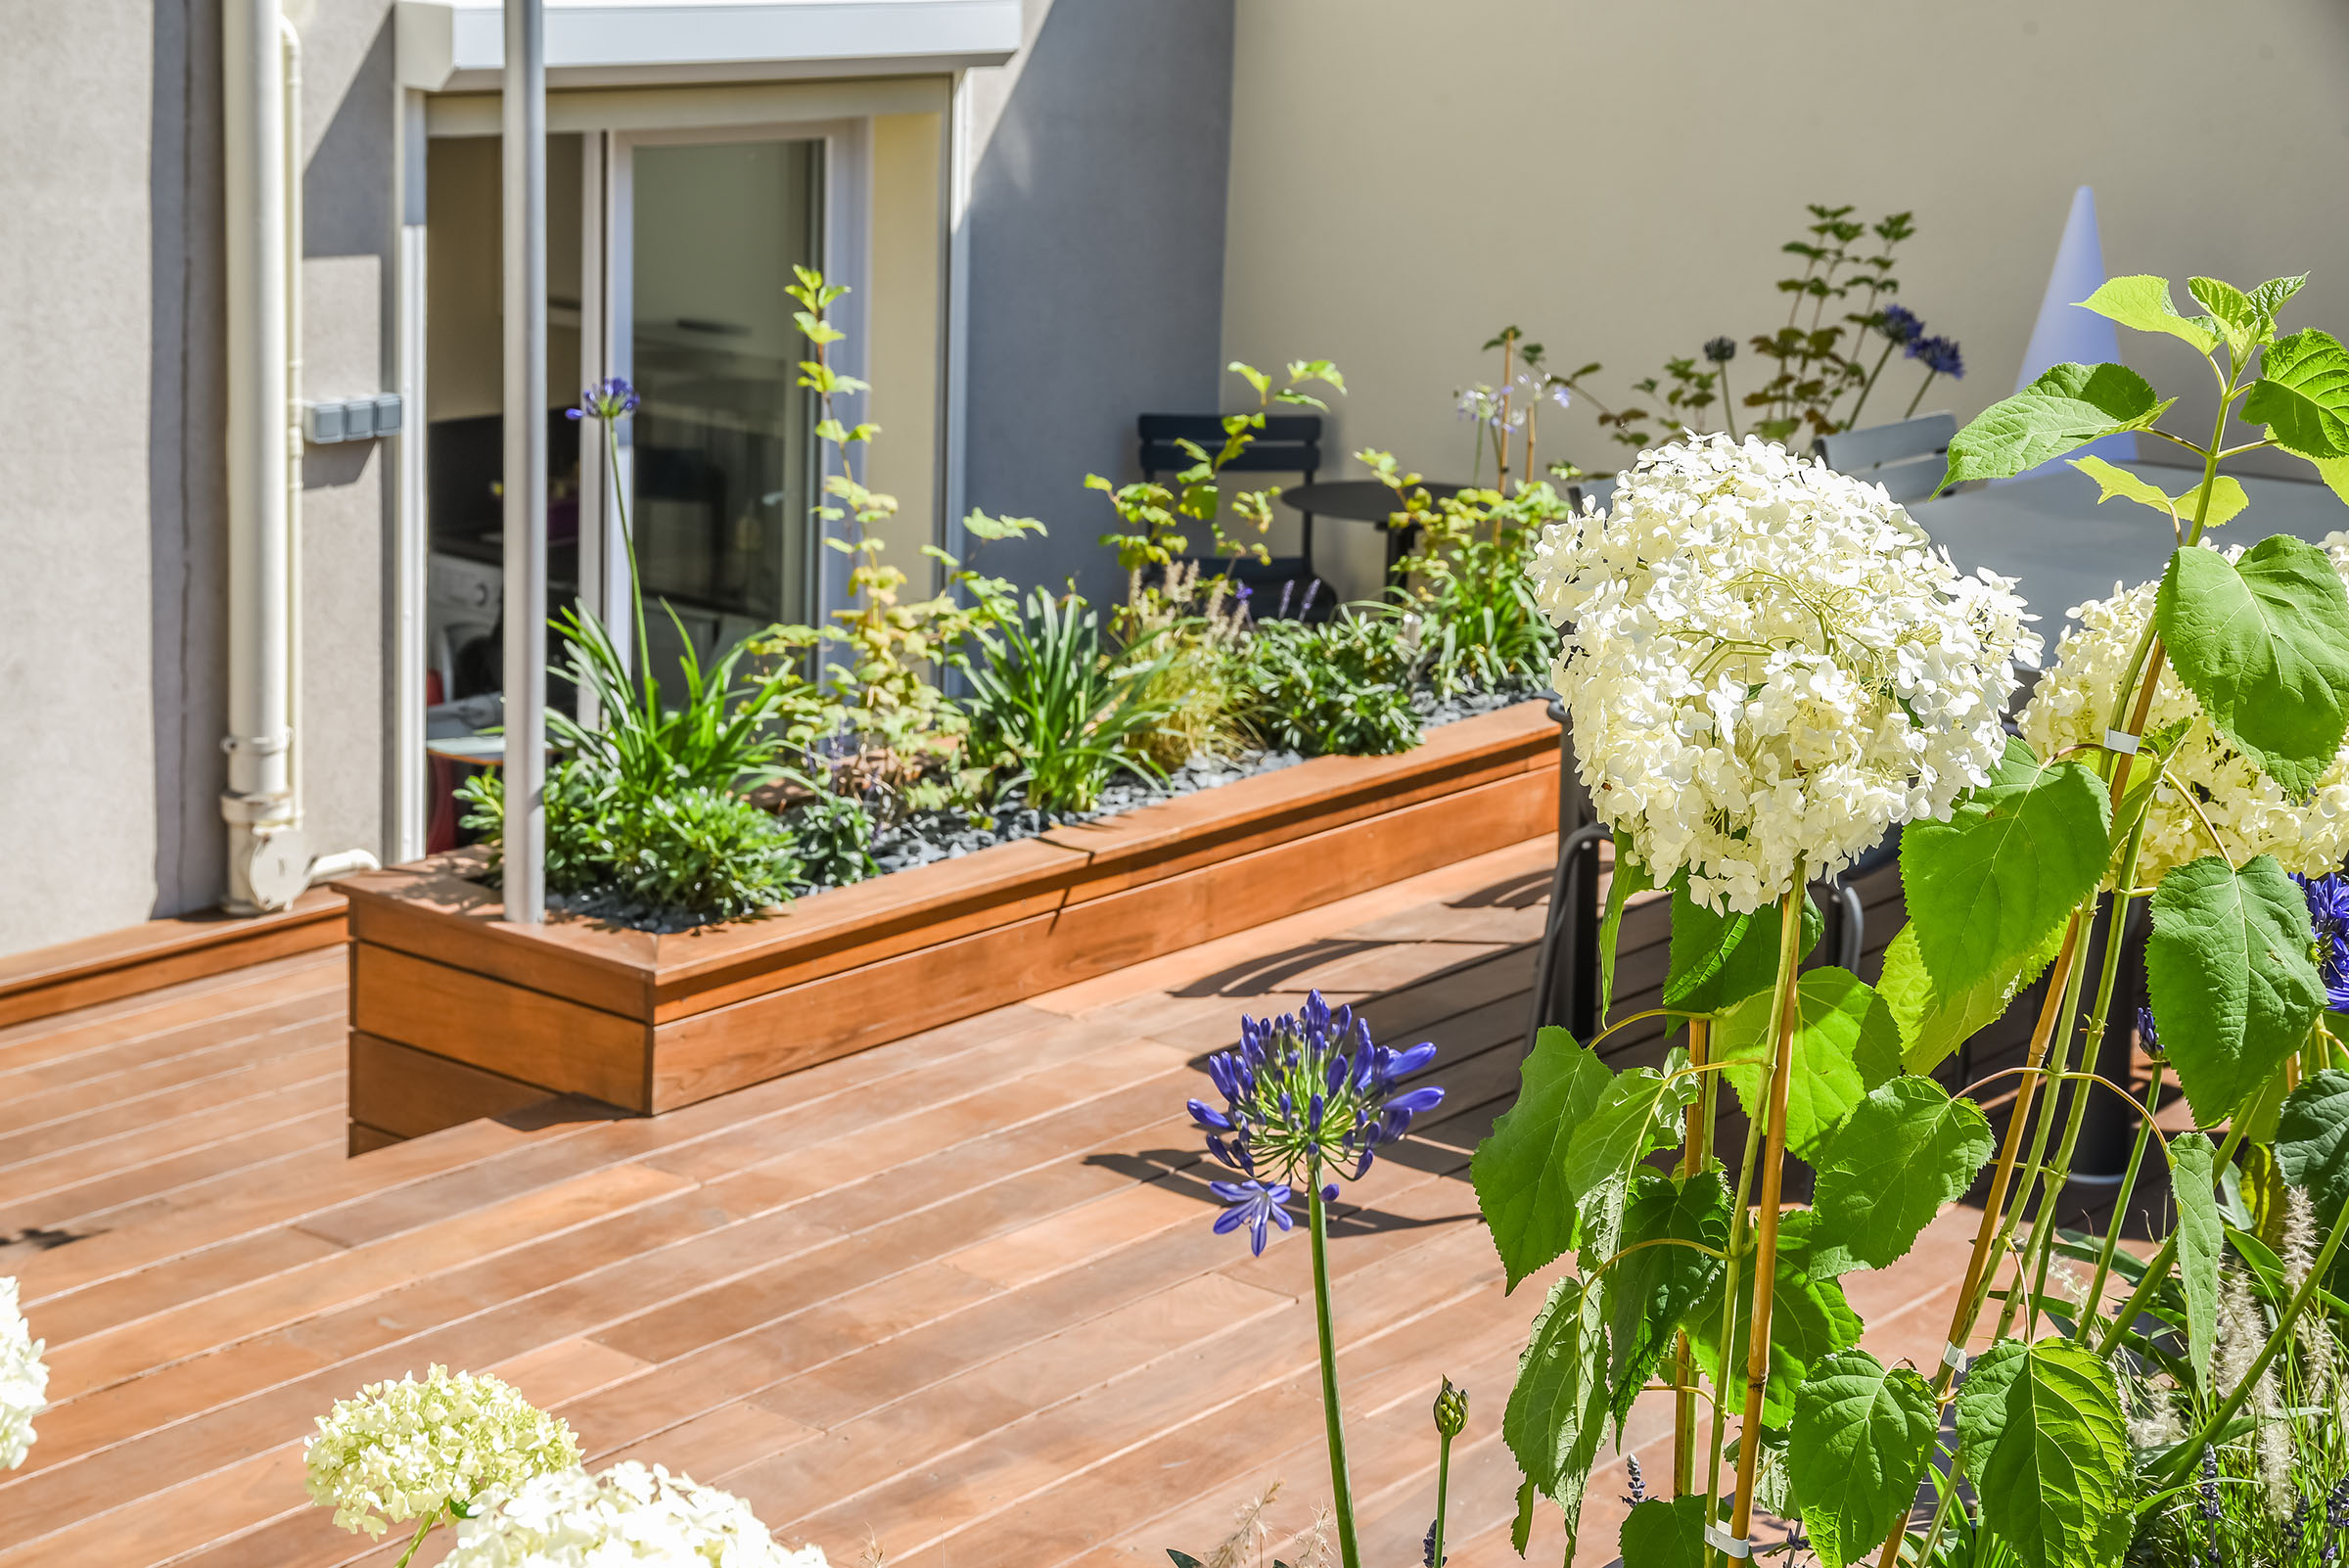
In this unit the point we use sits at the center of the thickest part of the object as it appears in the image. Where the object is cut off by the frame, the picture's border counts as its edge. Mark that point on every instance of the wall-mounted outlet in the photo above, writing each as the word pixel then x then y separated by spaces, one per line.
pixel 350 419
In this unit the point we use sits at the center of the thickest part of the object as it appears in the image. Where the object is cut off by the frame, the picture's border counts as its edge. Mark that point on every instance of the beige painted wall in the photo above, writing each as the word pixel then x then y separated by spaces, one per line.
pixel 1406 177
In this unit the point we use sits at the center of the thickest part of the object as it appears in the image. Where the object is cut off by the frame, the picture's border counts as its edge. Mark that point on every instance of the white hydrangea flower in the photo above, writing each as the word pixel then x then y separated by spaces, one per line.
pixel 2252 813
pixel 1769 664
pixel 404 1450
pixel 628 1514
pixel 23 1379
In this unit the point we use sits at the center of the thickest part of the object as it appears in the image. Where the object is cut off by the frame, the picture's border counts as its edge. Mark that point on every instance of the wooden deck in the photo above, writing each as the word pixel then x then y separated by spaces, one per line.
pixel 956 1294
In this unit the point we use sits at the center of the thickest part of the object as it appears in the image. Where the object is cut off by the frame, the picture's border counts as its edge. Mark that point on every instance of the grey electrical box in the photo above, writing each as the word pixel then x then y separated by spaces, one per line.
pixel 351 419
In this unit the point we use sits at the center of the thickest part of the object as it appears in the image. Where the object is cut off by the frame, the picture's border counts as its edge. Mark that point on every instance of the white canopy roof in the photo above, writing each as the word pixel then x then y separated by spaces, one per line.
pixel 460 44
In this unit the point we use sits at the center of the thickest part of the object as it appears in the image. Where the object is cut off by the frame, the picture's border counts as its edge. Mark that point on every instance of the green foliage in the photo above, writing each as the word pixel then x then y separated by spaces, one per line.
pixel 2312 1140
pixel 1627 878
pixel 2043 1441
pixel 2065 408
pixel 1558 1410
pixel 1342 686
pixel 1467 578
pixel 2226 493
pixel 835 834
pixel 1934 1022
pixel 2263 643
pixel 2009 866
pixel 1665 1533
pixel 1158 519
pixel 1519 1169
pixel 1055 713
pixel 1676 1234
pixel 1718 959
pixel 2302 394
pixel 885 654
pixel 2201 1246
pixel 1637 1115
pixel 1887 1169
pixel 1861 1437
pixel 1845 1046
pixel 2234 987
pixel 1196 632
pixel 1810 1320
pixel 2143 304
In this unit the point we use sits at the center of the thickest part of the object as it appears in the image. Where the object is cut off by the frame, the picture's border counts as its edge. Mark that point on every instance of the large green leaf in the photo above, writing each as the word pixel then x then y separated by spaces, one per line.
pixel 2302 394
pixel 2263 643
pixel 2010 865
pixel 2068 406
pixel 1665 1533
pixel 2234 987
pixel 2144 303
pixel 1519 1169
pixel 1809 1322
pixel 2236 314
pixel 1655 1282
pixel 2043 1438
pixel 1905 1151
pixel 2201 1243
pixel 1558 1408
pixel 1718 961
pixel 1861 1435
pixel 2312 1140
pixel 1627 878
pixel 1933 1023
pixel 2227 496
pixel 1845 1045
pixel 1636 1116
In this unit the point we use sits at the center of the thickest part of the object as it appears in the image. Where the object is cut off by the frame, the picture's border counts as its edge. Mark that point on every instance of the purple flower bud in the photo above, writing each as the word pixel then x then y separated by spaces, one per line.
pixel 1207 1116
pixel 1410 1061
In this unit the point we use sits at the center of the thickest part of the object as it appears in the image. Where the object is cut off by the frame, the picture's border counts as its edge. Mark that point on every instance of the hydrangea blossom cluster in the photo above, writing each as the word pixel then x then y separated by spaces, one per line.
pixel 1769 665
pixel 2251 812
pixel 628 1514
pixel 23 1379
pixel 396 1451
pixel 1299 1090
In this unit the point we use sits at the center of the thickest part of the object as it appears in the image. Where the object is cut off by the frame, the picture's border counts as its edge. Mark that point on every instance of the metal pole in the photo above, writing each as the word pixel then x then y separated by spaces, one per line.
pixel 524 132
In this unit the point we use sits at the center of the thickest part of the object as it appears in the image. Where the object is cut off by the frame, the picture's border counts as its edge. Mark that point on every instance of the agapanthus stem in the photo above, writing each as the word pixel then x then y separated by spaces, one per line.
pixel 1920 393
pixel 1870 386
pixel 1435 1554
pixel 627 541
pixel 1788 1018
pixel 1341 1488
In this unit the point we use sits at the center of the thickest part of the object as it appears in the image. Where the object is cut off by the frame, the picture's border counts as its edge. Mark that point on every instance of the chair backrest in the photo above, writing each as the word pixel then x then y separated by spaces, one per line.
pixel 1289 443
pixel 1907 457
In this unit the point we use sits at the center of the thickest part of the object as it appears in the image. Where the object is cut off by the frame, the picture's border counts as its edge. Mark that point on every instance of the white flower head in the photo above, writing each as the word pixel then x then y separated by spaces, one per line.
pixel 2251 813
pixel 1769 665
pixel 404 1450
pixel 23 1379
pixel 628 1514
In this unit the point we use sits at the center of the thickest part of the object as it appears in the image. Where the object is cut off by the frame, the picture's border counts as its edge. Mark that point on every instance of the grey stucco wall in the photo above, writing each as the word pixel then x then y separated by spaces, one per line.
pixel 111 475
pixel 1097 261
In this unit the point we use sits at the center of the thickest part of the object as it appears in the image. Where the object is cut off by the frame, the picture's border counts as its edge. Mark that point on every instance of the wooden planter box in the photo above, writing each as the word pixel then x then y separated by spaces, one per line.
pixel 455 1014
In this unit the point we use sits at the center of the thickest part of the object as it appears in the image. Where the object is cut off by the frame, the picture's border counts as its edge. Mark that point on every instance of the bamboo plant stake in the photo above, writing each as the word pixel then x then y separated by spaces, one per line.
pixel 1696 1146
pixel 1774 1173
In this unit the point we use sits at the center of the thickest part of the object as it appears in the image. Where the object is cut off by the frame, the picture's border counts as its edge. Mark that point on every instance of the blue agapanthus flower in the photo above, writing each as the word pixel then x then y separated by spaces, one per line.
pixel 1300 1091
pixel 1899 323
pixel 606 400
pixel 1941 356
pixel 2329 913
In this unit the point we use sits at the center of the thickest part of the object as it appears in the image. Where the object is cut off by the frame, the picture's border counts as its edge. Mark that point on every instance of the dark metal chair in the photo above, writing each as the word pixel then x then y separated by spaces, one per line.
pixel 1289 443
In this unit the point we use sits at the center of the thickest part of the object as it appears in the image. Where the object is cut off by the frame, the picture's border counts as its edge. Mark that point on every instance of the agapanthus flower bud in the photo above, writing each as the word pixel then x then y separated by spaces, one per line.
pixel 1451 1410
pixel 1720 350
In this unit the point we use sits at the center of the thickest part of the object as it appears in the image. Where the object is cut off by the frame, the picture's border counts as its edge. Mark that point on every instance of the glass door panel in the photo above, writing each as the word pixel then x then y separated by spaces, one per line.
pixel 721 470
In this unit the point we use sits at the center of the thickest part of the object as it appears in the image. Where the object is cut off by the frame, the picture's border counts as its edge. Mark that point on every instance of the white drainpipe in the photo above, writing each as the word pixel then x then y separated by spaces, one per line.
pixel 268 863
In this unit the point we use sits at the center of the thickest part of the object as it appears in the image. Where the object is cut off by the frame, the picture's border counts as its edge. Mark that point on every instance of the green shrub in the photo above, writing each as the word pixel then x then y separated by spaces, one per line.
pixel 1054 711
pixel 835 834
pixel 1340 687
